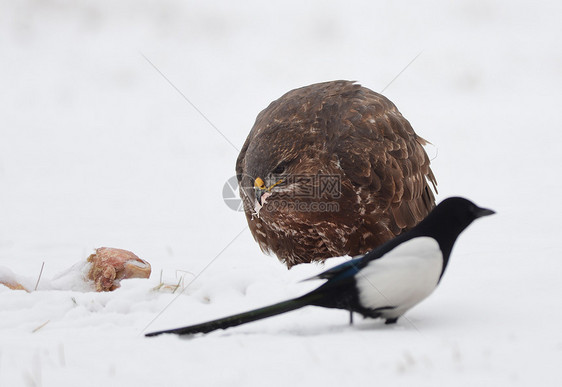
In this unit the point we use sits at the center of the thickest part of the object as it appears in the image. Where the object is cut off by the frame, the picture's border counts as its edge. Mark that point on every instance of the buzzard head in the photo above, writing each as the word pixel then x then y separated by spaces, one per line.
pixel 278 174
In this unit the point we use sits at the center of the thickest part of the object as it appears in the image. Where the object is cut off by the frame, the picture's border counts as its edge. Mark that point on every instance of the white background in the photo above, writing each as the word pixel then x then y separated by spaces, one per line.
pixel 98 149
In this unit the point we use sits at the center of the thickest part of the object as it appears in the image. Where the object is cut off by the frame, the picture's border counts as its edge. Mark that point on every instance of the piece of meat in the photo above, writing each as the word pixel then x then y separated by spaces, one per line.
pixel 110 266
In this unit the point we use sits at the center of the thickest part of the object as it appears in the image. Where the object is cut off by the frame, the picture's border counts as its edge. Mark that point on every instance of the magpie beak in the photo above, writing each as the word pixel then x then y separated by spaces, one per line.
pixel 480 212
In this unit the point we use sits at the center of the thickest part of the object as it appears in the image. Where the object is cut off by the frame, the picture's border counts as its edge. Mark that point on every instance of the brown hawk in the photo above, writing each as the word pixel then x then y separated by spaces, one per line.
pixel 332 169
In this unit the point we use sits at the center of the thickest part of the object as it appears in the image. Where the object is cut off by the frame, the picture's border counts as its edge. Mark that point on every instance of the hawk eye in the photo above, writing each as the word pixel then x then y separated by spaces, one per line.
pixel 279 169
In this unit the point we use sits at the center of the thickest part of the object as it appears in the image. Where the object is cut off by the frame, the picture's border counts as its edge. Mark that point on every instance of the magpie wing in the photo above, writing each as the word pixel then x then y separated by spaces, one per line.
pixel 353 266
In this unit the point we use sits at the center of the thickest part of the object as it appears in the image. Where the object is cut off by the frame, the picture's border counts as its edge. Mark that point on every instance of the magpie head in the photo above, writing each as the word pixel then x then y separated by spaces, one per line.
pixel 455 214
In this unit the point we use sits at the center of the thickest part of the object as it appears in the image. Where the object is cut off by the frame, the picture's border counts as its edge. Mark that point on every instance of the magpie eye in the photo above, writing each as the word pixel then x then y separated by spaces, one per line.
pixel 279 169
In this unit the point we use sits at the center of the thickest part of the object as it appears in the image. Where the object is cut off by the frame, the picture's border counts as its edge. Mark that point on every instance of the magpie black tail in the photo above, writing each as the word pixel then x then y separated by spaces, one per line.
pixel 243 318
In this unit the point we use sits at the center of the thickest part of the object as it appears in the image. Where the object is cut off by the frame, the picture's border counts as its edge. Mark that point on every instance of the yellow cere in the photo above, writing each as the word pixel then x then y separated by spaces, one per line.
pixel 258 183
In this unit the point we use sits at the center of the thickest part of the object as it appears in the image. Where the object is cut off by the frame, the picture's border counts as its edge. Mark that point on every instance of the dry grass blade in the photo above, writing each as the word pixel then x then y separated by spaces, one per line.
pixel 40 326
pixel 39 278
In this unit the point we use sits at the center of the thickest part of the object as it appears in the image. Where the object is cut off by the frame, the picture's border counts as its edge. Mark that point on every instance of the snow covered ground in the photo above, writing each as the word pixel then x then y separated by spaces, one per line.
pixel 97 148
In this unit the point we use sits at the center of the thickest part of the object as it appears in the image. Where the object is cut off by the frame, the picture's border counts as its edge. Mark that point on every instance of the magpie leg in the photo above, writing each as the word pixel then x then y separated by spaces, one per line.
pixel 350 317
pixel 391 320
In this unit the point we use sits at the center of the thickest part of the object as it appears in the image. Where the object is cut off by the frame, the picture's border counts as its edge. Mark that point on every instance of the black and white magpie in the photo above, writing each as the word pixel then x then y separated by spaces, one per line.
pixel 384 283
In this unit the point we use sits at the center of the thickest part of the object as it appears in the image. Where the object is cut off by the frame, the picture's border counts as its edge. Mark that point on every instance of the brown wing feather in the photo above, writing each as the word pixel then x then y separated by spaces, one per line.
pixel 382 155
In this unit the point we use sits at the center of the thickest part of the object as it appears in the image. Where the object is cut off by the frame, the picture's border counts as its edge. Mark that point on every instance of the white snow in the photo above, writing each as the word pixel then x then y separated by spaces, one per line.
pixel 97 148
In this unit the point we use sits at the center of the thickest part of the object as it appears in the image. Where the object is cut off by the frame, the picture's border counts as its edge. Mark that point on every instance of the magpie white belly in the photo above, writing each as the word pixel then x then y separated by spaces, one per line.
pixel 401 278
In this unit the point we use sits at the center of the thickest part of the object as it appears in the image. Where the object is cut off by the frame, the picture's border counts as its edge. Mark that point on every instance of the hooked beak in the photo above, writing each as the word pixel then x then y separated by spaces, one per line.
pixel 259 189
pixel 262 192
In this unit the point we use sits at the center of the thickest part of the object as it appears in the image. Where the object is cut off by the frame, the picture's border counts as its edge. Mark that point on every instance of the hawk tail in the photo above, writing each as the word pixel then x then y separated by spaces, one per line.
pixel 246 317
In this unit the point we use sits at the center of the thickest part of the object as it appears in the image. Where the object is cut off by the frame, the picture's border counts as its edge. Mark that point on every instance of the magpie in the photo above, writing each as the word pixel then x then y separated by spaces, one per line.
pixel 384 283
